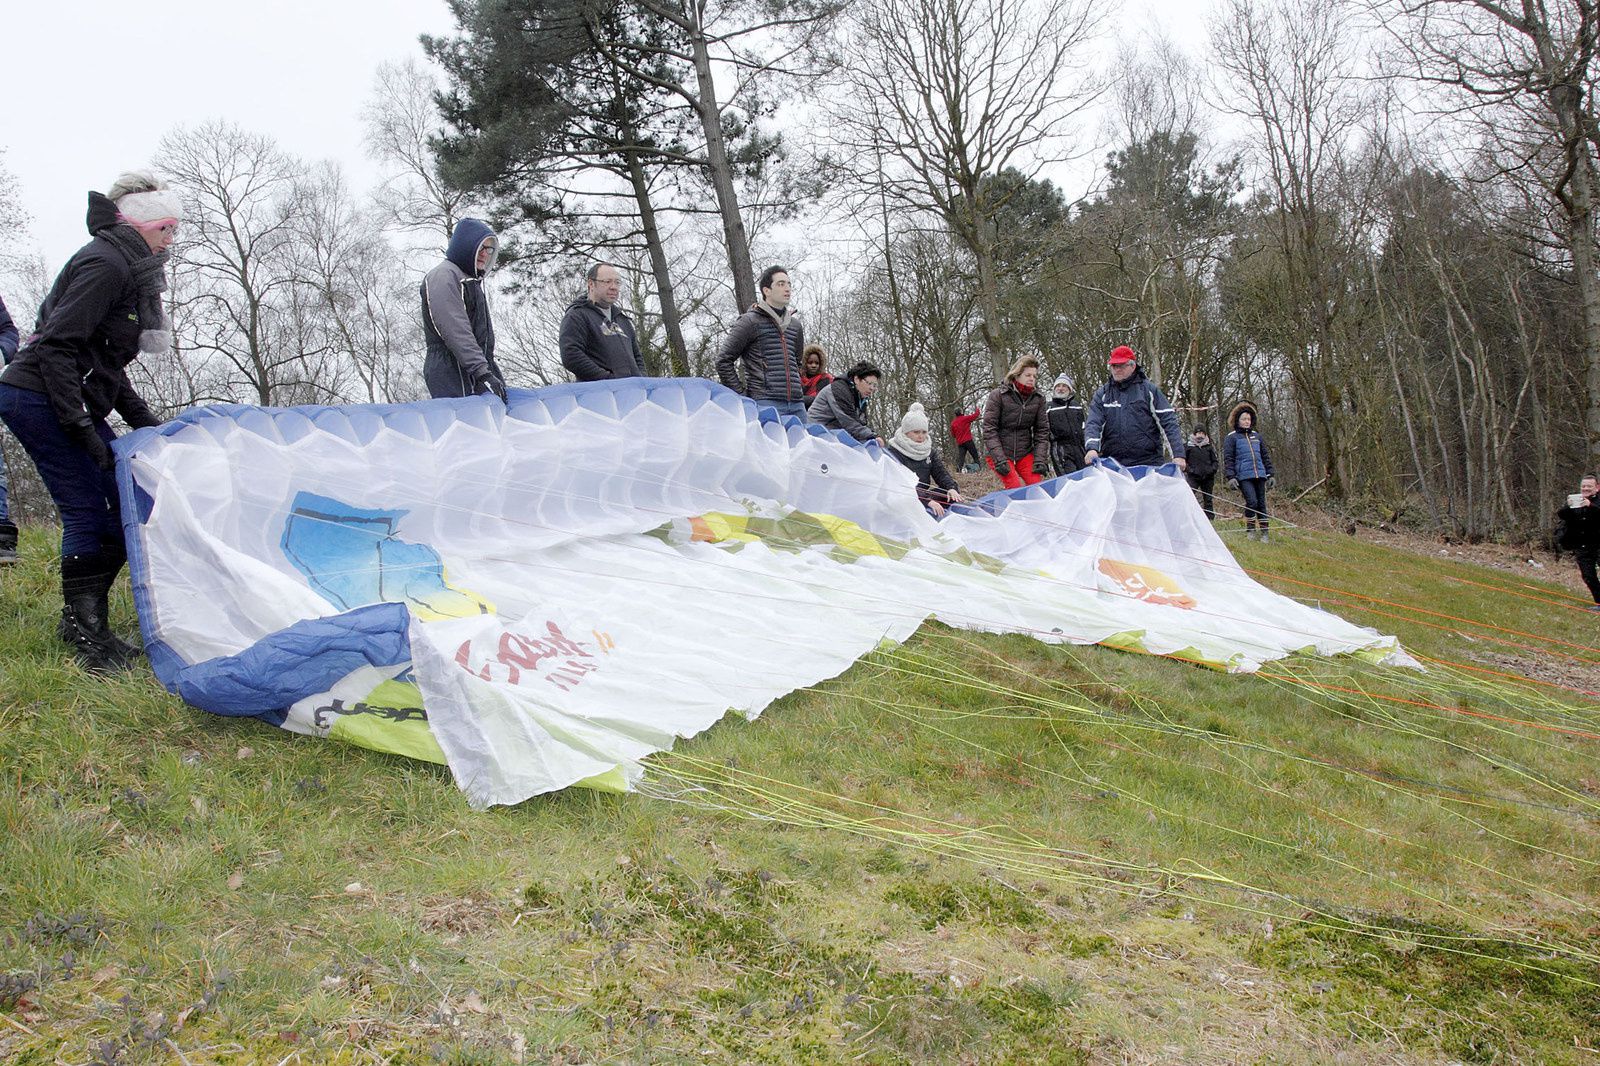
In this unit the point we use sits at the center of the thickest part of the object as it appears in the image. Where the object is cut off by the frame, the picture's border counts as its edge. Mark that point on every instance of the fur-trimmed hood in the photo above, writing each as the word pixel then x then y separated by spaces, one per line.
pixel 1240 408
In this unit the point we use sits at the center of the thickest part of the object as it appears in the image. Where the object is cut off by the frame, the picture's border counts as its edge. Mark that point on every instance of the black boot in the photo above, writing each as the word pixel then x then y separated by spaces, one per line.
pixel 8 543
pixel 112 559
pixel 83 622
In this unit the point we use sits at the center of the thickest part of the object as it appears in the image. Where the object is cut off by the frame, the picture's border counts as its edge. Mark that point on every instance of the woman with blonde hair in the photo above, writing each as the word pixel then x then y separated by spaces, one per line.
pixel 1016 426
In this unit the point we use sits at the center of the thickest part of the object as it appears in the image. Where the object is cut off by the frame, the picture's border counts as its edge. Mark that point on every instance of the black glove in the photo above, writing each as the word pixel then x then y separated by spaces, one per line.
pixel 1002 467
pixel 100 453
pixel 488 382
pixel 1270 480
pixel 1233 483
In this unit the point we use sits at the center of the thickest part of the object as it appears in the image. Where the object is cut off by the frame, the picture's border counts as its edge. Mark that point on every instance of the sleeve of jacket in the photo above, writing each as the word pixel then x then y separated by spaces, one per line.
pixel 850 421
pixel 941 474
pixel 74 317
pixel 1041 438
pixel 638 355
pixel 574 354
pixel 1227 458
pixel 8 335
pixel 1094 418
pixel 991 428
pixel 1167 417
pixel 448 311
pixel 131 406
pixel 734 346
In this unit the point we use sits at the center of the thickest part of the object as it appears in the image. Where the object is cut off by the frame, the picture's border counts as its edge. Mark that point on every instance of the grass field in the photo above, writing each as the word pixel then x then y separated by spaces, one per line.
pixel 962 850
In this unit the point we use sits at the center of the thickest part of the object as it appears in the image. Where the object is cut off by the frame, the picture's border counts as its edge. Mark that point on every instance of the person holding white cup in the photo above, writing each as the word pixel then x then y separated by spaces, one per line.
pixel 1579 532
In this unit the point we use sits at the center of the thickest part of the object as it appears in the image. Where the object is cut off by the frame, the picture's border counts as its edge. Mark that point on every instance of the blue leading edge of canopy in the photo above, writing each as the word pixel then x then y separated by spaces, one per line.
pixel 310 656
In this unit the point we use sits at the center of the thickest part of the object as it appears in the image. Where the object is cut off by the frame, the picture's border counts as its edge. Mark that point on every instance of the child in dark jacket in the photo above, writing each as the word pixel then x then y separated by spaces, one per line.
pixel 1202 470
pixel 1248 468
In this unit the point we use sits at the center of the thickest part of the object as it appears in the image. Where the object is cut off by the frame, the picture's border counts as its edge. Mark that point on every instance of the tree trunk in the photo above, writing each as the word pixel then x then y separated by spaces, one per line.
pixel 678 350
pixel 733 232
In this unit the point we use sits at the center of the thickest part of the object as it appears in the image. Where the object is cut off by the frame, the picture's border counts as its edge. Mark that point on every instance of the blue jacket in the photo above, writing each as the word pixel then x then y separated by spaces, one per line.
pixel 1127 419
pixel 1244 455
pixel 8 335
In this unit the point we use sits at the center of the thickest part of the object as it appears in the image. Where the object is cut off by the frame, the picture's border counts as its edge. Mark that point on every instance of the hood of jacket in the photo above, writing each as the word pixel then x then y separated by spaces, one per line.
pixel 584 301
pixel 1133 379
pixel 1240 408
pixel 468 237
pixel 102 213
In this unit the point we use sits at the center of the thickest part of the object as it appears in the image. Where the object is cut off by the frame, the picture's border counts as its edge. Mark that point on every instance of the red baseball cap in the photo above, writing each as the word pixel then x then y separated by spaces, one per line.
pixel 1121 354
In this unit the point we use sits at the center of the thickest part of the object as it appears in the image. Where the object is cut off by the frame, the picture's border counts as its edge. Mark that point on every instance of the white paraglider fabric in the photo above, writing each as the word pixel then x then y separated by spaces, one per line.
pixel 543 594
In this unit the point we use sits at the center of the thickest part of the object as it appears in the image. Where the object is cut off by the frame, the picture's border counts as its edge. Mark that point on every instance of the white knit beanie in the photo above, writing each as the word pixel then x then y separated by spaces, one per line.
pixel 143 199
pixel 915 418
pixel 1062 379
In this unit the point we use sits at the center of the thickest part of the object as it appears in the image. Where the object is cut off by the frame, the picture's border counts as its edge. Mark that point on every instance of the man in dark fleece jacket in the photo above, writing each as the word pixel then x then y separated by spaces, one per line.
pixel 598 342
pixel 768 340
pixel 455 317
pixel 1581 533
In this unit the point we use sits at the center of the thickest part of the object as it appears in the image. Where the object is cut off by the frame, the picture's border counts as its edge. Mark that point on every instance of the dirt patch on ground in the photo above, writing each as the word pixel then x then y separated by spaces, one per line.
pixel 1567 674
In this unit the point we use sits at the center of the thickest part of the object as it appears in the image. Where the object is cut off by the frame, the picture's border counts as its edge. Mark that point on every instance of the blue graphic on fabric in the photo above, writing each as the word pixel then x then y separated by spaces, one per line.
pixel 353 557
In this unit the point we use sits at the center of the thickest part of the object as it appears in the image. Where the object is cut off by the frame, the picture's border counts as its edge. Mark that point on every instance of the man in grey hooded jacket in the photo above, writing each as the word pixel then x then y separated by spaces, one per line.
pixel 455 317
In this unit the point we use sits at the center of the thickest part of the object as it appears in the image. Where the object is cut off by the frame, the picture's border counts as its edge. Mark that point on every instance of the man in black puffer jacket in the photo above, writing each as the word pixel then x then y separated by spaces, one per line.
pixel 1580 533
pixel 597 338
pixel 768 340
pixel 1130 415
pixel 1066 427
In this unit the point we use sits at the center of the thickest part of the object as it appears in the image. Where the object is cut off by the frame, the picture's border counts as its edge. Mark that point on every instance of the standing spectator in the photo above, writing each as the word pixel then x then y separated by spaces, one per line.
pixel 1202 470
pixel 767 340
pixel 911 446
pixel 103 310
pixel 1066 427
pixel 455 317
pixel 1130 416
pixel 961 432
pixel 1580 532
pixel 1248 467
pixel 814 376
pixel 1016 429
pixel 843 403
pixel 8 528
pixel 598 342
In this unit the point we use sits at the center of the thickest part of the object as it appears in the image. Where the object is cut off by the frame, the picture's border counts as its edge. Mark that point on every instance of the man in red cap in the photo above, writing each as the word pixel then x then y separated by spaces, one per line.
pixel 1129 416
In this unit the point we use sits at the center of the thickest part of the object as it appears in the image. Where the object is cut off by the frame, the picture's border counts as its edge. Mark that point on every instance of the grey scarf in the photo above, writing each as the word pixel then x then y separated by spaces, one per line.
pixel 150 280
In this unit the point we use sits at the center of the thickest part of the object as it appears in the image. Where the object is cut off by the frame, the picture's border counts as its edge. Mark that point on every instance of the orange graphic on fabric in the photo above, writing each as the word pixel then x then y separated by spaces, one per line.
pixel 1146 583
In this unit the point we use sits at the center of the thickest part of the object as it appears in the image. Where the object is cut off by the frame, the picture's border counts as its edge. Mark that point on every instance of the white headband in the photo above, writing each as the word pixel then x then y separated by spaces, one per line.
pixel 144 208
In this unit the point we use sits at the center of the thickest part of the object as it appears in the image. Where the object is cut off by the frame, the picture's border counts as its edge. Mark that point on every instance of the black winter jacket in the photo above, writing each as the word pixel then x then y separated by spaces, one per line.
pixel 1127 420
pixel 596 348
pixel 1015 425
pixel 455 317
pixel 933 480
pixel 87 335
pixel 770 354
pixel 1066 434
pixel 1202 460
pixel 1580 528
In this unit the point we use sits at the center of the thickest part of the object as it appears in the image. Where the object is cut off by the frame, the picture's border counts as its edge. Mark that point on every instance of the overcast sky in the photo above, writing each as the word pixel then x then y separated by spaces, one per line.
pixel 92 86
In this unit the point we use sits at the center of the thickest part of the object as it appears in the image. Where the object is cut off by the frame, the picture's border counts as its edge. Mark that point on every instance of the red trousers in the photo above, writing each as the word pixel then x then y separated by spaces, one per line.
pixel 1023 467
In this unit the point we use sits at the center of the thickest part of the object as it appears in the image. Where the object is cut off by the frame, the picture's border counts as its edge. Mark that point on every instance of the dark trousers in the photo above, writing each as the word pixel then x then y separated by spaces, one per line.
pixel 1586 566
pixel 86 496
pixel 964 449
pixel 1204 486
pixel 1254 490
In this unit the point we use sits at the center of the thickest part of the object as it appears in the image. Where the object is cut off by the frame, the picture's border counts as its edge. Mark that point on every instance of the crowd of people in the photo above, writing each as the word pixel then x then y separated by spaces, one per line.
pixel 65 378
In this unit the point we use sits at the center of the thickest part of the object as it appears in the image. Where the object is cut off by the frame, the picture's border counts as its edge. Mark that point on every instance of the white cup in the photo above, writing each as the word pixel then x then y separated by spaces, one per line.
pixel 1575 500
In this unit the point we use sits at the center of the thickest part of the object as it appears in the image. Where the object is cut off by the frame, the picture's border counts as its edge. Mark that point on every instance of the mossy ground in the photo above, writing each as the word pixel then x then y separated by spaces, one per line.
pixel 1078 856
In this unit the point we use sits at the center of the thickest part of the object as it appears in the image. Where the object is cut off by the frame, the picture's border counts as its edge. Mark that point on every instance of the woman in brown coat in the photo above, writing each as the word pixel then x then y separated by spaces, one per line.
pixel 1016 426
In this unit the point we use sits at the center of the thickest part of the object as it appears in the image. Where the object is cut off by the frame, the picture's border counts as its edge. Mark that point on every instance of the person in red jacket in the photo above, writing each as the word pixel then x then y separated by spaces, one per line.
pixel 961 432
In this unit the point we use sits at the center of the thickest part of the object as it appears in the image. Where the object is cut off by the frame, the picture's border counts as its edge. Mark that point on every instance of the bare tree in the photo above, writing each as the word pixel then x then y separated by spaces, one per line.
pixel 402 124
pixel 1524 73
pixel 941 95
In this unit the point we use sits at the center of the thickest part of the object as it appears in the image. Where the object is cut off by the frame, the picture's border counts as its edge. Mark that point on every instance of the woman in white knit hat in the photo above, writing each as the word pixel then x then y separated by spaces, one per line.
pixel 103 311
pixel 910 444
